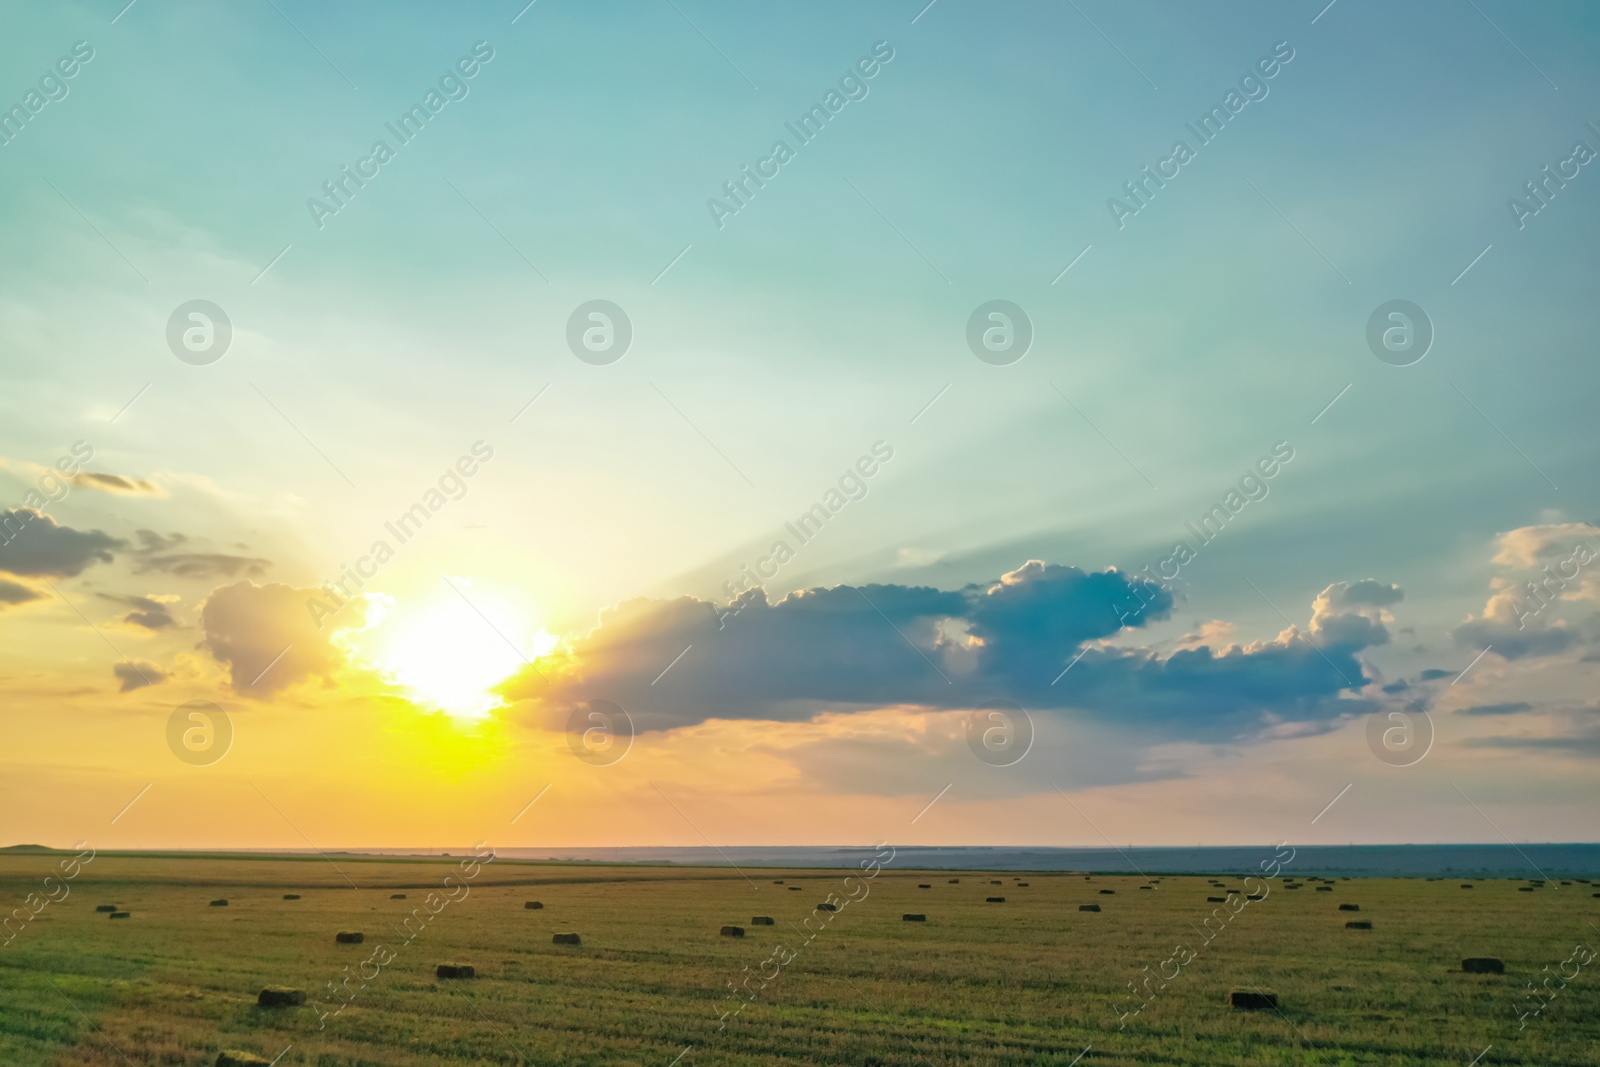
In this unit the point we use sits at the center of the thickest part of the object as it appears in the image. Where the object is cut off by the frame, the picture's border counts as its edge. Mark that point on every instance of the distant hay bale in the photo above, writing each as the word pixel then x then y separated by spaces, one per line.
pixel 994 900
pixel 1022 885
pixel 1524 888
pixel 825 906
pixel 1360 924
pixel 291 896
pixel 761 920
pixel 119 915
pixel 913 917
pixel 280 996
pixel 1349 907
pixel 1324 888
pixel 1256 896
pixel 235 1058
pixel 777 881
pixel 349 937
pixel 1466 885
pixel 1108 892
pixel 954 881
pixel 1216 900
pixel 1244 1000
pixel 455 970
pixel 996 882
pixel 566 939
pixel 924 885
pixel 1147 887
pixel 1483 965
pixel 397 896
pixel 219 903
pixel 733 931
pixel 532 905
pixel 1088 907
pixel 105 907
pixel 792 888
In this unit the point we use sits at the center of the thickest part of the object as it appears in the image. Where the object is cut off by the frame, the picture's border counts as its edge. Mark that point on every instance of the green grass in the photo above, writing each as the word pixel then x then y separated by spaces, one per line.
pixel 1029 981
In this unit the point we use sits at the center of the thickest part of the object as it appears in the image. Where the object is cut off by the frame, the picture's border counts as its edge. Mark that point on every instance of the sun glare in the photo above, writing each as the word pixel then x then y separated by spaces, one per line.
pixel 451 650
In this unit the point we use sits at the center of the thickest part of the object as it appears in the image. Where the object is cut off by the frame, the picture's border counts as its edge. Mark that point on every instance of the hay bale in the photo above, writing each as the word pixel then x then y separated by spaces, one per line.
pixel 826 907
pixel 280 996
pixel 995 882
pixel 761 920
pixel 792 888
pixel 455 970
pixel 1256 896
pixel 1324 888
pixel 119 915
pixel 924 885
pixel 1524 888
pixel 105 907
pixel 954 881
pixel 1349 907
pixel 219 903
pixel 349 937
pixel 397 896
pixel 291 896
pixel 1244 1000
pixel 1216 900
pixel 235 1058
pixel 1360 924
pixel 532 905
pixel 733 931
pixel 1147 887
pixel 1108 892
pixel 1466 885
pixel 994 900
pixel 777 881
pixel 909 917
pixel 1088 907
pixel 566 939
pixel 1483 965
pixel 1022 885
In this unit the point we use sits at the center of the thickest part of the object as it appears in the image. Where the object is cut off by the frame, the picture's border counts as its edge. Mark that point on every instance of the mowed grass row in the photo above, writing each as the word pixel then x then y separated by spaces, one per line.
pixel 1032 980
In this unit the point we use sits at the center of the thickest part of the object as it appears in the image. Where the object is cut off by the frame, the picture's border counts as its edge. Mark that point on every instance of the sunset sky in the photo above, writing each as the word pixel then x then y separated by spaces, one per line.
pixel 586 529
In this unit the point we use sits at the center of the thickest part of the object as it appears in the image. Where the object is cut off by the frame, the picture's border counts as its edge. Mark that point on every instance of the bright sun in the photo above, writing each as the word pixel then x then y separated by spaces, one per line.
pixel 450 650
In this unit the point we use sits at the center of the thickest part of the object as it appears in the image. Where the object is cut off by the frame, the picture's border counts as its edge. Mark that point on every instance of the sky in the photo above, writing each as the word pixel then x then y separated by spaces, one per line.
pixel 685 424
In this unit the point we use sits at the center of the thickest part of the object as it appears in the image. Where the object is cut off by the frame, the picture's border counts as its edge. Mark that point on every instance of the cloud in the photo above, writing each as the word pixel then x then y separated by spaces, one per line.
pixel 1367 593
pixel 16 593
pixel 149 612
pixel 35 544
pixel 136 674
pixel 116 483
pixel 1506 628
pixel 158 554
pixel 1513 708
pixel 1035 636
pixel 264 635
pixel 1433 674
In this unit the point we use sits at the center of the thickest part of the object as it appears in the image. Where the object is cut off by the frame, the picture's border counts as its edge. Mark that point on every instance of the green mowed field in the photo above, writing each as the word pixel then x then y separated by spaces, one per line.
pixel 1032 980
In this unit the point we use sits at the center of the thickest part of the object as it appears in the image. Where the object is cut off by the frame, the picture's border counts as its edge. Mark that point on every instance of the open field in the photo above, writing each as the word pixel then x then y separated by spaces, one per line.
pixel 1031 980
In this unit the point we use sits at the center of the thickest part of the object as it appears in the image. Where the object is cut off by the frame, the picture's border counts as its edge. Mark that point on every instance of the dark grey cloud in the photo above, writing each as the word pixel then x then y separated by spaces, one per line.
pixel 1513 708
pixel 167 554
pixel 148 613
pixel 266 637
pixel 851 648
pixel 34 544
pixel 17 593
pixel 1508 640
pixel 1433 674
pixel 136 674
